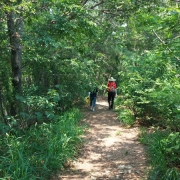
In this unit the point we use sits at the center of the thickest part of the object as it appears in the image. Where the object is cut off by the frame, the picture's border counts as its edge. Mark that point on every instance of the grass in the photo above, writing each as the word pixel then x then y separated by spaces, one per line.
pixel 164 152
pixel 41 150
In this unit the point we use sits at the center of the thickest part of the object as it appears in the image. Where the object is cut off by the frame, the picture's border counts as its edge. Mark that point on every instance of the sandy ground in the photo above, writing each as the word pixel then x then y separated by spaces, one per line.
pixel 110 151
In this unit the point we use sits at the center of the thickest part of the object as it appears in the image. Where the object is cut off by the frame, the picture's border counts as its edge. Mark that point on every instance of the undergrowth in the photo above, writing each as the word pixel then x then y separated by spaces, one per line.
pixel 43 149
pixel 164 154
pixel 125 114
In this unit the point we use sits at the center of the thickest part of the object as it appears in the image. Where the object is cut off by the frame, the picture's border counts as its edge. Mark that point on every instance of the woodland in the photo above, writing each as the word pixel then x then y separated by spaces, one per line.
pixel 54 51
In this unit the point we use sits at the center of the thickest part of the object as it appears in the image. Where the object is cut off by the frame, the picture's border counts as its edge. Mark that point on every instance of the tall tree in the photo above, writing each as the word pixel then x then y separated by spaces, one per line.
pixel 15 30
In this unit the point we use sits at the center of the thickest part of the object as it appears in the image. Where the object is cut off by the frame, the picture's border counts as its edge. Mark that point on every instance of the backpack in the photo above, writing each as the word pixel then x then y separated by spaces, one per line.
pixel 112 89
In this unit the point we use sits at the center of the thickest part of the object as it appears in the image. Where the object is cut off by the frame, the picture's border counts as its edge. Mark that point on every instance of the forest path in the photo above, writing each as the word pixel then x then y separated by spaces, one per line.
pixel 110 151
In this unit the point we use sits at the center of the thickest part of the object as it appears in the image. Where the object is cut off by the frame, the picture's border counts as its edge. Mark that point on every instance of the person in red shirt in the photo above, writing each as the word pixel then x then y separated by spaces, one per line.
pixel 112 91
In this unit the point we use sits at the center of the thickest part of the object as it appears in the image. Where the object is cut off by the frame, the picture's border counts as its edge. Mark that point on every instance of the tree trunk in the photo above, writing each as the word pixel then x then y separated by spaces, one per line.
pixel 15 29
pixel 2 107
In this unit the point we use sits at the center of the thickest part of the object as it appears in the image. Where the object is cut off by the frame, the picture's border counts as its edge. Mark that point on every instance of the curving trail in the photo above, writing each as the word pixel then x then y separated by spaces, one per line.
pixel 110 151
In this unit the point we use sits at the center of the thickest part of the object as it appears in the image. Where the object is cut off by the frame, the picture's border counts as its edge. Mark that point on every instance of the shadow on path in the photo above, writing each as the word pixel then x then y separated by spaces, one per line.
pixel 110 150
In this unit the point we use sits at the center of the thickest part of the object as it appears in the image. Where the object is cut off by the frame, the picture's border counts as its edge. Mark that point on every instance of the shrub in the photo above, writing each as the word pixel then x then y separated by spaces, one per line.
pixel 163 148
pixel 126 116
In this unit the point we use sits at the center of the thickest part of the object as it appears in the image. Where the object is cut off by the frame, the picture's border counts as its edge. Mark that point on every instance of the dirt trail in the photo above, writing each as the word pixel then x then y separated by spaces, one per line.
pixel 110 152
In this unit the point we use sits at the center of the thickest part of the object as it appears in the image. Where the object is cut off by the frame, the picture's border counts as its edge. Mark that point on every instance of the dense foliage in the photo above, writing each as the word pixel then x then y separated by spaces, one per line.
pixel 53 52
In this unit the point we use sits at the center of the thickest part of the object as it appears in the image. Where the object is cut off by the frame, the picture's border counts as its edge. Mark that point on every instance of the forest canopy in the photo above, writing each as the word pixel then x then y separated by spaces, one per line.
pixel 53 51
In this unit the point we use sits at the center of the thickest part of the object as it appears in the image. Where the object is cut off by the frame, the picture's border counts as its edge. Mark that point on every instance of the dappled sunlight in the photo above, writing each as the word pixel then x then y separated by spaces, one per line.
pixel 109 141
pixel 110 150
pixel 102 103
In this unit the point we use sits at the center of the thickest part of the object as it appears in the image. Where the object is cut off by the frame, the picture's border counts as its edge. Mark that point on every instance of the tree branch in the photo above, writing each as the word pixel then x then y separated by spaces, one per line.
pixel 164 43
pixel 101 2
pixel 83 3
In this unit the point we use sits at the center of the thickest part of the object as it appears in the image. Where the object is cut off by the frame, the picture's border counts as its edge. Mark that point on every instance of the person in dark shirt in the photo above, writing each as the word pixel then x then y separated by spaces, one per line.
pixel 93 96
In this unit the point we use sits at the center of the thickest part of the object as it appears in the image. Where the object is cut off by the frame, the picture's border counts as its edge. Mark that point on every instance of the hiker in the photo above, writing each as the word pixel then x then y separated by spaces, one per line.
pixel 112 92
pixel 93 95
